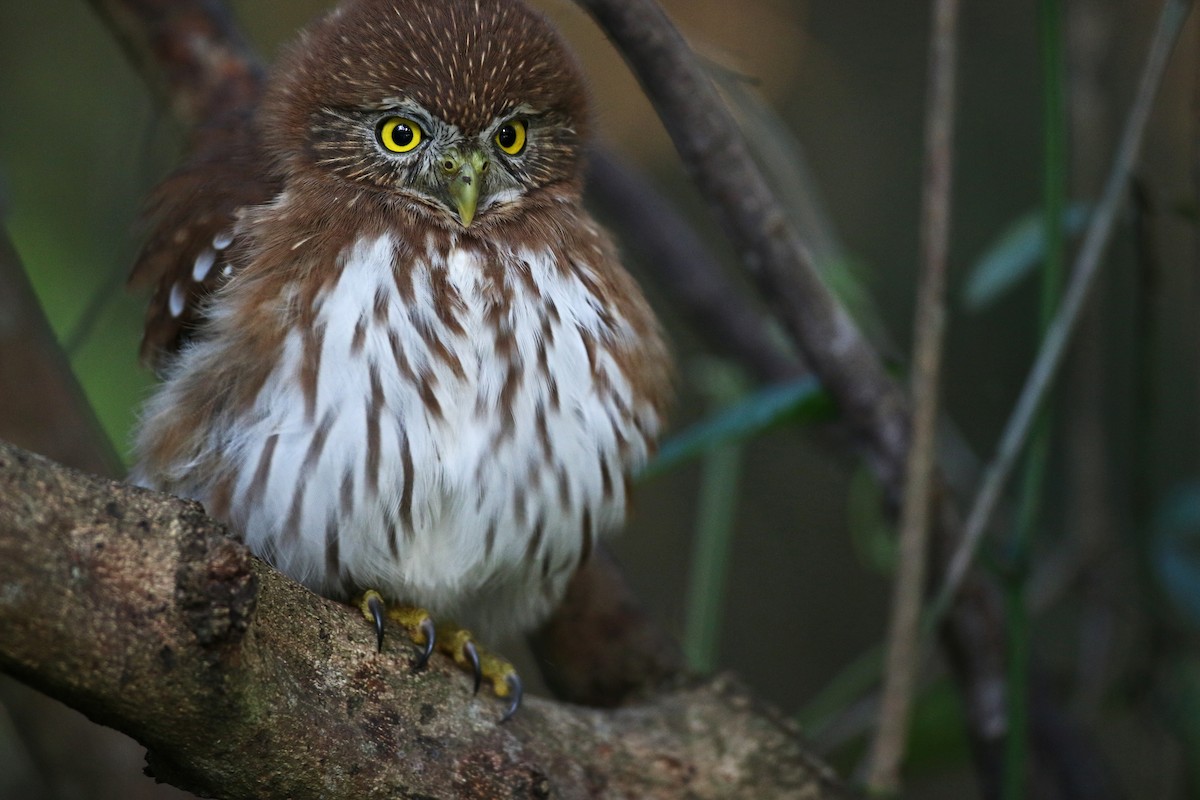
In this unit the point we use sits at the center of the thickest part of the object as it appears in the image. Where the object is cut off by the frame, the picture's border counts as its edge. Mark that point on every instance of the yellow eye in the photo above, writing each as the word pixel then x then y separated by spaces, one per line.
pixel 399 134
pixel 511 137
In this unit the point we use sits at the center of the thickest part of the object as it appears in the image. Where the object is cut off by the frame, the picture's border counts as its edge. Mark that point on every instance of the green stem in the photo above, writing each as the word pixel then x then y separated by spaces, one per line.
pixel 1016 745
pixel 710 560
pixel 1016 751
pixel 714 535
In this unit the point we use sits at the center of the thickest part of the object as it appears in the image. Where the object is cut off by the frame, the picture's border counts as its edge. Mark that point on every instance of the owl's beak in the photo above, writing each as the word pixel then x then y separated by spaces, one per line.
pixel 465 173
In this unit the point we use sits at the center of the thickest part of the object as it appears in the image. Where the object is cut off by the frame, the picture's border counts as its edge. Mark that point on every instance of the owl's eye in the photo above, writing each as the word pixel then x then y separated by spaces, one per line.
pixel 399 135
pixel 511 137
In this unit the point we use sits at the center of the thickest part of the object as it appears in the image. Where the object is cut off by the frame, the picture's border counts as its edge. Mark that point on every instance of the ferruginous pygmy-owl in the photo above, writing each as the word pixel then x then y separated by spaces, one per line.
pixel 398 356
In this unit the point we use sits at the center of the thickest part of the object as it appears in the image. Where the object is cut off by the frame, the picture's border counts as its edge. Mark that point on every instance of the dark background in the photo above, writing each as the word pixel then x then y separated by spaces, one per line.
pixel 81 143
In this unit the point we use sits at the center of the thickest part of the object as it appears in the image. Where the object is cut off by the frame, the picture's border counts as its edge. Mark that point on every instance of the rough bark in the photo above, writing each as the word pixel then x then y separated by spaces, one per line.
pixel 140 611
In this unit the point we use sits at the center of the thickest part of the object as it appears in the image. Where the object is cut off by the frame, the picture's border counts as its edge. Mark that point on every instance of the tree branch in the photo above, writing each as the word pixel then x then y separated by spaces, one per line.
pixel 49 413
pixel 190 53
pixel 870 402
pixel 704 133
pixel 139 610
pixel 904 636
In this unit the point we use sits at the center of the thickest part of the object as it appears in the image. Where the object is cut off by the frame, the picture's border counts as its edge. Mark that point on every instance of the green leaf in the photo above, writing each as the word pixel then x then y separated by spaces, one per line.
pixel 800 401
pixel 1013 256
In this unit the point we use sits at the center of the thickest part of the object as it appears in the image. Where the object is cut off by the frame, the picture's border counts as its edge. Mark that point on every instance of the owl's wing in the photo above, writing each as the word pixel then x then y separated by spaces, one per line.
pixel 191 218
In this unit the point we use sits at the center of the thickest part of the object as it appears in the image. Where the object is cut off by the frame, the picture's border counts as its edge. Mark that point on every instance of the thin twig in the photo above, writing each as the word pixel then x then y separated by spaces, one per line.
pixel 707 138
pixel 869 401
pixel 1083 275
pixel 904 646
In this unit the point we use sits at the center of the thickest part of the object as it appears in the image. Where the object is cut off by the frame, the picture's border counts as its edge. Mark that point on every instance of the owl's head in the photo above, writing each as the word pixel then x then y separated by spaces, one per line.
pixel 460 107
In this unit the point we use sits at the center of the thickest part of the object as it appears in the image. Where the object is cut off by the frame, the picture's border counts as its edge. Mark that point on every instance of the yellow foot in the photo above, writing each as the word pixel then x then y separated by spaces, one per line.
pixel 416 621
pixel 457 643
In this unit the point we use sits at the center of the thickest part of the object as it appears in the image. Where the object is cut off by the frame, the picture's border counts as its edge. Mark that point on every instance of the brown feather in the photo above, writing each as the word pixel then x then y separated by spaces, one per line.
pixel 431 52
pixel 186 213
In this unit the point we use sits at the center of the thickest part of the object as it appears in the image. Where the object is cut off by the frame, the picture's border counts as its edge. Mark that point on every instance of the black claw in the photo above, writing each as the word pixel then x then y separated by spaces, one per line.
pixel 430 639
pixel 517 692
pixel 375 604
pixel 472 654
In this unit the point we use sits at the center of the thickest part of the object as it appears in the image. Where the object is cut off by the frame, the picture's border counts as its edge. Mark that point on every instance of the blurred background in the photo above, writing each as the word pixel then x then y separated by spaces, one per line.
pixel 831 94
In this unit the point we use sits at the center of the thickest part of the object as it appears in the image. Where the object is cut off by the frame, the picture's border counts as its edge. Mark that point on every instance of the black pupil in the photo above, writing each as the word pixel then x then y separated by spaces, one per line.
pixel 507 136
pixel 402 135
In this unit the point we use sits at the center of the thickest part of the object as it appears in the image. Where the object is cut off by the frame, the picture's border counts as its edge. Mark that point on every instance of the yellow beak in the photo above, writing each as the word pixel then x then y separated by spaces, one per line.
pixel 465 173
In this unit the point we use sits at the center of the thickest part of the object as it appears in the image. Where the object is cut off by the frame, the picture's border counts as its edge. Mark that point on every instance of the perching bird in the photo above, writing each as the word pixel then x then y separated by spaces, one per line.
pixel 398 356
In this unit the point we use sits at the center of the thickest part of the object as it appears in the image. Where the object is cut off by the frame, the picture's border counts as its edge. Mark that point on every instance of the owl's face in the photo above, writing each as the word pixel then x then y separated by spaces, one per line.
pixel 460 109
pixel 403 148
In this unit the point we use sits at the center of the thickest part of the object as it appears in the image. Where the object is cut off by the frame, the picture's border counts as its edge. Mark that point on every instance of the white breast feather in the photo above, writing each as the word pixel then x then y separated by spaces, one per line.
pixel 462 482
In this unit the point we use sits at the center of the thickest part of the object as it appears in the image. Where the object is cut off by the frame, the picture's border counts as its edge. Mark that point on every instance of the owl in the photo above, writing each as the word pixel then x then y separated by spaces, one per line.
pixel 398 357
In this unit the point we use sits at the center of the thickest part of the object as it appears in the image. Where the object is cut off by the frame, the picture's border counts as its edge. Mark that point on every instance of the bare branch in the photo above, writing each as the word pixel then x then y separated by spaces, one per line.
pixel 142 612
pixel 871 403
pixel 190 53
pixel 708 141
pixel 904 635
pixel 1083 274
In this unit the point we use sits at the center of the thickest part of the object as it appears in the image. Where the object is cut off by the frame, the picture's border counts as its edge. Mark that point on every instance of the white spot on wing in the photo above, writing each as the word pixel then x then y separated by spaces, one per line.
pixel 204 263
pixel 223 239
pixel 176 301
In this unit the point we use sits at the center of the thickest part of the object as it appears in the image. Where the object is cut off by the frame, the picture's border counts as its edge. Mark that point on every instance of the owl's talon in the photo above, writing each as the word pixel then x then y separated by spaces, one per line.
pixel 472 655
pixel 374 605
pixel 413 619
pixel 430 634
pixel 456 642
pixel 517 690
pixel 374 609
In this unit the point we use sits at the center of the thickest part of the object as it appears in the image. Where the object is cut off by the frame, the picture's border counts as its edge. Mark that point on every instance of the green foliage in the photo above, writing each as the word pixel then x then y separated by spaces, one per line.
pixel 798 402
pixel 1015 255
pixel 1030 511
pixel 716 508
